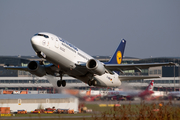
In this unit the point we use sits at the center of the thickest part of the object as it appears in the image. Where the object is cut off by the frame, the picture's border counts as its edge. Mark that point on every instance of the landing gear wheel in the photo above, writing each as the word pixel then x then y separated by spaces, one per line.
pixel 94 82
pixel 89 83
pixel 59 82
pixel 118 98
pixel 63 83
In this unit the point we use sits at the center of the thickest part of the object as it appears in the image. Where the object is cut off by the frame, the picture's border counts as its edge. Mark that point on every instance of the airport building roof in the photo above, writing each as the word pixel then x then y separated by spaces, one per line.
pixel 35 96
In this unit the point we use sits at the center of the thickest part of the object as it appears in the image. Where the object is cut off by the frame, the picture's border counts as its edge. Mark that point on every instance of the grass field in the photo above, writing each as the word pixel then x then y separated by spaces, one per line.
pixel 131 112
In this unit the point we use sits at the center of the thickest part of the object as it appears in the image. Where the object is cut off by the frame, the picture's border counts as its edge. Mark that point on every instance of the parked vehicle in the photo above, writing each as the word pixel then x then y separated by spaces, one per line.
pixel 38 111
pixel 21 112
pixel 66 111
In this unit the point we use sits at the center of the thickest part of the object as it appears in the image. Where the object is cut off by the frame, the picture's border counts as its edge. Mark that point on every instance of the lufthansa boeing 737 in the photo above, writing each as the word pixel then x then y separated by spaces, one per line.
pixel 65 58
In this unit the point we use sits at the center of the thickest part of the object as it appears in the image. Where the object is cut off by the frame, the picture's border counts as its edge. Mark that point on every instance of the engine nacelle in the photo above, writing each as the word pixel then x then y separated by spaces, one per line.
pixel 36 69
pixel 95 66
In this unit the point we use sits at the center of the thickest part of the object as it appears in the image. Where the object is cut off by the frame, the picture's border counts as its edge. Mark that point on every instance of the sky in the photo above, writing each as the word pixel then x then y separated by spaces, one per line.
pixel 151 28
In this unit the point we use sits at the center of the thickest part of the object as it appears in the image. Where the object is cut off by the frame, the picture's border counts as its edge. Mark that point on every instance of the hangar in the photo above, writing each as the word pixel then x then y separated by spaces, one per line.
pixel 30 102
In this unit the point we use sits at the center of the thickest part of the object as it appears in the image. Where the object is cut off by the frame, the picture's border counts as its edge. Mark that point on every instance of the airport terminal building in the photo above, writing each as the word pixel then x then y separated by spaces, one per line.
pixel 21 80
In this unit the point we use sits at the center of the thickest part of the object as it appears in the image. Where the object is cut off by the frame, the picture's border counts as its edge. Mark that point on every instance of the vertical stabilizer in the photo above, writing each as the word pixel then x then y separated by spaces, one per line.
pixel 151 86
pixel 148 91
pixel 118 55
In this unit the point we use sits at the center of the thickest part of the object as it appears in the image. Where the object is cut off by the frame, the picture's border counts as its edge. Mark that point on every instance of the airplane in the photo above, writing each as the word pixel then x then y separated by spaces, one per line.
pixel 87 95
pixel 65 58
pixel 91 95
pixel 174 95
pixel 131 94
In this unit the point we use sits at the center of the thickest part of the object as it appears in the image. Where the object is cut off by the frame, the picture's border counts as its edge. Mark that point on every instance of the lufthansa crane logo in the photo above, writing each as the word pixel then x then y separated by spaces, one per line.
pixel 119 57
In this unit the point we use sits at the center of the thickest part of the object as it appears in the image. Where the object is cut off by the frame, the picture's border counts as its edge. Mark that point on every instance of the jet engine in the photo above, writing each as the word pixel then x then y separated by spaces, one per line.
pixel 36 68
pixel 95 66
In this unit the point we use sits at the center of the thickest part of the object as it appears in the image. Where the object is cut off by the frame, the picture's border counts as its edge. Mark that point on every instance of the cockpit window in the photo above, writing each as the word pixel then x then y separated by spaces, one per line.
pixel 46 36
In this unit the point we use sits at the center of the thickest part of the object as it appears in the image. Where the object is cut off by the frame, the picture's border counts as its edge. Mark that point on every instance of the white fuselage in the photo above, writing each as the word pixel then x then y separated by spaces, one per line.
pixel 67 57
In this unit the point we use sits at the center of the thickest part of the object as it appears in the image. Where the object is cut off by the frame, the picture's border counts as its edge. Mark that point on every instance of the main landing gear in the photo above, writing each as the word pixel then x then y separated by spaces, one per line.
pixel 61 82
pixel 92 82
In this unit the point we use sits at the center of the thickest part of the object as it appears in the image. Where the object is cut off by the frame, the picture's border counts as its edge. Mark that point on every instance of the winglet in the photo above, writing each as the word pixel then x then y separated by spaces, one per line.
pixel 118 55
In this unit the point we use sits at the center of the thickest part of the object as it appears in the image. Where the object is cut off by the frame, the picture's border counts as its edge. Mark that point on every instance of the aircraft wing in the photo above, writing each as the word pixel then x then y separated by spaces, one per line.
pixel 122 67
pixel 50 69
pixel 16 68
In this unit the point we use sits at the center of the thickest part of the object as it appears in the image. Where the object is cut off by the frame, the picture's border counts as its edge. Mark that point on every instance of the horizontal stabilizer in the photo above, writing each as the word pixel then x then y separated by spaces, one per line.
pixel 121 67
pixel 125 78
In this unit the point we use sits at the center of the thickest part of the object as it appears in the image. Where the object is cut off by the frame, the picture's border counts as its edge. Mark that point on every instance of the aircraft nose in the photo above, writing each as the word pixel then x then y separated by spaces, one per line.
pixel 34 40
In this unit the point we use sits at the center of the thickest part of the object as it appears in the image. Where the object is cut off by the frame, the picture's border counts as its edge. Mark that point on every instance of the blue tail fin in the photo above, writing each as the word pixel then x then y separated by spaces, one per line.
pixel 118 55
